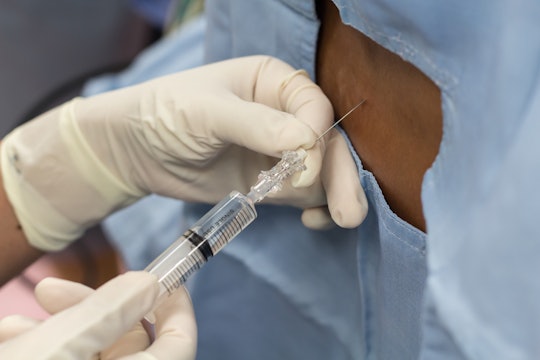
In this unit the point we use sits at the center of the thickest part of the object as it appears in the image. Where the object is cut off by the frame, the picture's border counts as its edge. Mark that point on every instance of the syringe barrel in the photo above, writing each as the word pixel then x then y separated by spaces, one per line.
pixel 202 241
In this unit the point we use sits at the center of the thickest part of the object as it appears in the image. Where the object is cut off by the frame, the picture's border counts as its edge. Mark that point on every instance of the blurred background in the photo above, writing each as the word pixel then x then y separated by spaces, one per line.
pixel 48 48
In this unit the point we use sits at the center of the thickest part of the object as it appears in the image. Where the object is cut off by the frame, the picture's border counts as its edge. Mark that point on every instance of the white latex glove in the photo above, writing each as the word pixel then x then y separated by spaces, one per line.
pixel 195 135
pixel 102 324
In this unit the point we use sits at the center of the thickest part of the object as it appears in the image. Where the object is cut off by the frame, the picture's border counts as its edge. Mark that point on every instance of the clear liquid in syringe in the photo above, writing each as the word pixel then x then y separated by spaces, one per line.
pixel 222 223
pixel 202 241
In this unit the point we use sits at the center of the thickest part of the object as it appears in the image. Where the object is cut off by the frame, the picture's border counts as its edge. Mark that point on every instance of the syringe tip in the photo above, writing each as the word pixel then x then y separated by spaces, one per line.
pixel 272 180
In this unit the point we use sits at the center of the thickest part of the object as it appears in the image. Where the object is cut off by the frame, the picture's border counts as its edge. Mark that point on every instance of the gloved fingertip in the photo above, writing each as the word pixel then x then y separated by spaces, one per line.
pixel 317 219
pixel 13 325
pixel 302 179
pixel 313 164
pixel 52 285
pixel 52 281
pixel 54 294
pixel 17 322
pixel 354 215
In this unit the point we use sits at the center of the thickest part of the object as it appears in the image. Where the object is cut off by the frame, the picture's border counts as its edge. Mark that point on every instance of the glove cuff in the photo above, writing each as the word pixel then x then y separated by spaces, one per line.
pixel 88 165
pixel 54 182
pixel 38 219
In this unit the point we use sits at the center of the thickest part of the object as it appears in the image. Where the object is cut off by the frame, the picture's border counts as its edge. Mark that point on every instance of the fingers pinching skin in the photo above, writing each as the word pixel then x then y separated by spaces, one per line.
pixel 276 87
pixel 299 96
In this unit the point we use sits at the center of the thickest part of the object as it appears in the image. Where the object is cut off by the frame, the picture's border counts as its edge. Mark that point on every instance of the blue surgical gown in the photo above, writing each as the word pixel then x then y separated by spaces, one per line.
pixel 466 290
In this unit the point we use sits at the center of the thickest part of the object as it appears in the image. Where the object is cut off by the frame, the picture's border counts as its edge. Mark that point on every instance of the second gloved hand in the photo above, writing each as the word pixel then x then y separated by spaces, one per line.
pixel 102 324
pixel 195 136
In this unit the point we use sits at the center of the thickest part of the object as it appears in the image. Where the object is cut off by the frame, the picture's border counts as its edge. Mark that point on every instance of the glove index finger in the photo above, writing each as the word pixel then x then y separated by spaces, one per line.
pixel 260 128
pixel 55 295
pixel 14 325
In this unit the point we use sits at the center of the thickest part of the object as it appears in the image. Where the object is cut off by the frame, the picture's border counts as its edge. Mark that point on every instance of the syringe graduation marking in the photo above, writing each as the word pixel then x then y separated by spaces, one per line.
pixel 236 224
pixel 206 247
pixel 183 271
pixel 200 243
pixel 220 231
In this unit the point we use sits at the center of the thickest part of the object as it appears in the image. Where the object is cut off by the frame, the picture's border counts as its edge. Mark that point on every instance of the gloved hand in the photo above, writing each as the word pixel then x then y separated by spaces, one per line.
pixel 102 324
pixel 195 136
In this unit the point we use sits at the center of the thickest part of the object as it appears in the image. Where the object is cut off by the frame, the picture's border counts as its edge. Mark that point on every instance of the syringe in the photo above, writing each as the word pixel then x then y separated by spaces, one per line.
pixel 221 224
pixel 218 227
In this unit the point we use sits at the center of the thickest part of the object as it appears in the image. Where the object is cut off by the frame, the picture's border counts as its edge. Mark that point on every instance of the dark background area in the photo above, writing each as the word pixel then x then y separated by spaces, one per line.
pixel 48 48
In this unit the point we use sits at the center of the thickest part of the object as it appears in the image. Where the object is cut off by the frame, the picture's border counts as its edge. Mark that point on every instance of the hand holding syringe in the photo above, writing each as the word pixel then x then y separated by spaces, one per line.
pixel 222 223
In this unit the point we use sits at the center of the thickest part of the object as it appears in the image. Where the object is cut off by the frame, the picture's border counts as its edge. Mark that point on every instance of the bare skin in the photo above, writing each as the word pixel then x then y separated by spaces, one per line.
pixel 15 251
pixel 398 130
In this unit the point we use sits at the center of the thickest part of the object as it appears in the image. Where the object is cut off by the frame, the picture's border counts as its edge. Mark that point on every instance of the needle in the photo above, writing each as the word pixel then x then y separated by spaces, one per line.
pixel 342 118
